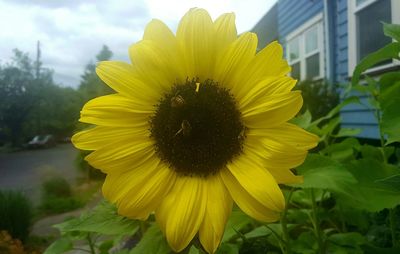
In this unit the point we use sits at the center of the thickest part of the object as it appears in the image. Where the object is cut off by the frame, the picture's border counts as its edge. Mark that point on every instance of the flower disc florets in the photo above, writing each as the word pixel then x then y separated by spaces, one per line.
pixel 197 128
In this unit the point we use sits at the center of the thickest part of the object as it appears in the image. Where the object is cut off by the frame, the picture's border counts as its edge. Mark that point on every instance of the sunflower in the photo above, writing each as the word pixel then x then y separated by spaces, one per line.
pixel 198 122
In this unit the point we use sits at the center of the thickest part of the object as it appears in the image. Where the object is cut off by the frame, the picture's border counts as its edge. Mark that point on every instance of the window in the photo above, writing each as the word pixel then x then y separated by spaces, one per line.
pixel 365 28
pixel 305 50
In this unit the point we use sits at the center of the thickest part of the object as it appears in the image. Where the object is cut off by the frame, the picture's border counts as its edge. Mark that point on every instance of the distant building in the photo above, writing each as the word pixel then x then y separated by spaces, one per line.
pixel 325 39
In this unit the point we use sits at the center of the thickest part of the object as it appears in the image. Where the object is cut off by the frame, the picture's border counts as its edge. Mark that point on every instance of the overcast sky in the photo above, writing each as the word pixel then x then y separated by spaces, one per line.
pixel 72 32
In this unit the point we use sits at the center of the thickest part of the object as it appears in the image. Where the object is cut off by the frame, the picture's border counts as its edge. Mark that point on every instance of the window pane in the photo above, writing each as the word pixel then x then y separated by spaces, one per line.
pixel 358 2
pixel 312 39
pixel 370 35
pixel 312 66
pixel 295 71
pixel 294 52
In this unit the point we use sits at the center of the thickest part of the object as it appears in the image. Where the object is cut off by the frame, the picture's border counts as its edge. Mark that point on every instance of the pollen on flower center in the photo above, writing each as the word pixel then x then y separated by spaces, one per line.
pixel 197 128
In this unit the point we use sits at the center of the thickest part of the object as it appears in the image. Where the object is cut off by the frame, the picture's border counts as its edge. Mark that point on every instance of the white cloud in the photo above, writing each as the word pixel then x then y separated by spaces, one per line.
pixel 72 32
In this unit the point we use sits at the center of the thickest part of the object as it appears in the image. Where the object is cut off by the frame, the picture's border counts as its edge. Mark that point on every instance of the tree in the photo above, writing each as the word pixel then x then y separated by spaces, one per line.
pixel 91 85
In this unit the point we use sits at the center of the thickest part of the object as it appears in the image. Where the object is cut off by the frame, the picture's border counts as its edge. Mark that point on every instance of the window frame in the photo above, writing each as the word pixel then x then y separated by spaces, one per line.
pixel 353 9
pixel 300 33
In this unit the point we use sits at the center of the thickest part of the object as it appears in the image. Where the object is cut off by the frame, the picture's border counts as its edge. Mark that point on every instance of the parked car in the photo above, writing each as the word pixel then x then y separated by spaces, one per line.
pixel 42 141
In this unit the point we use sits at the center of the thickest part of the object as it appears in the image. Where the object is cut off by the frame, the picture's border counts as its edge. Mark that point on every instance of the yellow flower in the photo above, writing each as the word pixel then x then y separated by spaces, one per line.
pixel 199 121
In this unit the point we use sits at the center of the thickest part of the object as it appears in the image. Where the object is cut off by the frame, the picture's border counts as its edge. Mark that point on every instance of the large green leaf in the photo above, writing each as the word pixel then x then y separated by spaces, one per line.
pixel 343 151
pixel 391 122
pixel 387 52
pixel 389 94
pixel 392 182
pixel 324 173
pixel 392 30
pixel 60 246
pixel 237 221
pixel 368 193
pixel 152 242
pixel 102 219
pixel 346 243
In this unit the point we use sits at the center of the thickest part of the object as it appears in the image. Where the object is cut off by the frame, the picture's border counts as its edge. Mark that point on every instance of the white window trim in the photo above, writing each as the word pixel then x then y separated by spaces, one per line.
pixel 301 30
pixel 352 42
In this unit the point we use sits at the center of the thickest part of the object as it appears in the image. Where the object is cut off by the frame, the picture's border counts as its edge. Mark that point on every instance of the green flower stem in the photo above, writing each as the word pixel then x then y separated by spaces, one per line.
pixel 315 222
pixel 392 221
pixel 285 232
pixel 91 244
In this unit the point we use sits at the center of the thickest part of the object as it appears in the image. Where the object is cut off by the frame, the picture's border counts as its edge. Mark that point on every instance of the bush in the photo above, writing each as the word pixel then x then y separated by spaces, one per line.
pixel 57 197
pixel 56 187
pixel 319 97
pixel 15 214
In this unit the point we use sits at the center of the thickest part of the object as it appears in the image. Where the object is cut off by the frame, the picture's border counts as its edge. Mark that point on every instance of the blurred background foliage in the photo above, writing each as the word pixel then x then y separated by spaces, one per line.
pixel 32 103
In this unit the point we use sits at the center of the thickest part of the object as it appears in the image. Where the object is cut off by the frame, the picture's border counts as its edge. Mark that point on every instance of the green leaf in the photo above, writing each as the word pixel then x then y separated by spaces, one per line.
pixel 303 120
pixel 346 243
pixel 392 182
pixel 346 132
pixel 387 52
pixel 368 193
pixel 258 232
pixel 305 243
pixel 62 245
pixel 336 110
pixel 237 221
pixel 228 248
pixel 324 173
pixel 103 219
pixel 389 94
pixel 377 153
pixel 388 79
pixel 343 151
pixel 392 30
pixel 390 125
pixel 152 242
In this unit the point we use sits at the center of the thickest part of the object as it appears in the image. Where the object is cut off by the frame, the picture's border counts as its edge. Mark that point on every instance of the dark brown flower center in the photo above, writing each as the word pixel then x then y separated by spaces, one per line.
pixel 197 128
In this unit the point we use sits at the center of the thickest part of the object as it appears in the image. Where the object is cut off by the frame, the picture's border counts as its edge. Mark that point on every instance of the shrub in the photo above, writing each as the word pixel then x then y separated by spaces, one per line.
pixel 57 197
pixel 15 214
pixel 319 97
pixel 56 187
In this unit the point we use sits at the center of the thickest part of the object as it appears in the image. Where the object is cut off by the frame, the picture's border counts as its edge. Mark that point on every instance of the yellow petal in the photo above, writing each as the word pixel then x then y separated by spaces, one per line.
pixel 195 36
pixel 245 201
pixel 268 62
pixel 273 111
pixel 257 181
pixel 139 191
pixel 264 88
pixel 219 207
pixel 284 175
pixel 225 30
pixel 116 110
pixel 121 77
pixel 122 156
pixel 231 63
pixel 275 153
pixel 158 32
pixel 288 134
pixel 156 65
pixel 182 211
pixel 100 136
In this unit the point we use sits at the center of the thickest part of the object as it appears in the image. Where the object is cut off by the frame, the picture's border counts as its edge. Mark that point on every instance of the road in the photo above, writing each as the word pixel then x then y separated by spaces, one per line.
pixel 26 170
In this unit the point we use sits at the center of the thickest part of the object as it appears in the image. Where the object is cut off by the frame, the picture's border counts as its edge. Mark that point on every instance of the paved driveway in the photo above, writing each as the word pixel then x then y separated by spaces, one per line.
pixel 27 169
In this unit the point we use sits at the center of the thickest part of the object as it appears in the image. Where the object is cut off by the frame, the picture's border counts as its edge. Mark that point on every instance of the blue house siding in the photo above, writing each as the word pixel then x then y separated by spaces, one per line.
pixel 340 46
pixel 292 14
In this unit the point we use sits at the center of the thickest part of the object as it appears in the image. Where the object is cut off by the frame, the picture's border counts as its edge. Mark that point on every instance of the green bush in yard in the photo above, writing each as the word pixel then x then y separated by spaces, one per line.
pixel 57 197
pixel 15 214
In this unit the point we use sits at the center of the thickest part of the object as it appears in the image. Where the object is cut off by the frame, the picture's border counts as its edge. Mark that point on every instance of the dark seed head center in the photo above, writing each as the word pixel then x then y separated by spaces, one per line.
pixel 197 128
